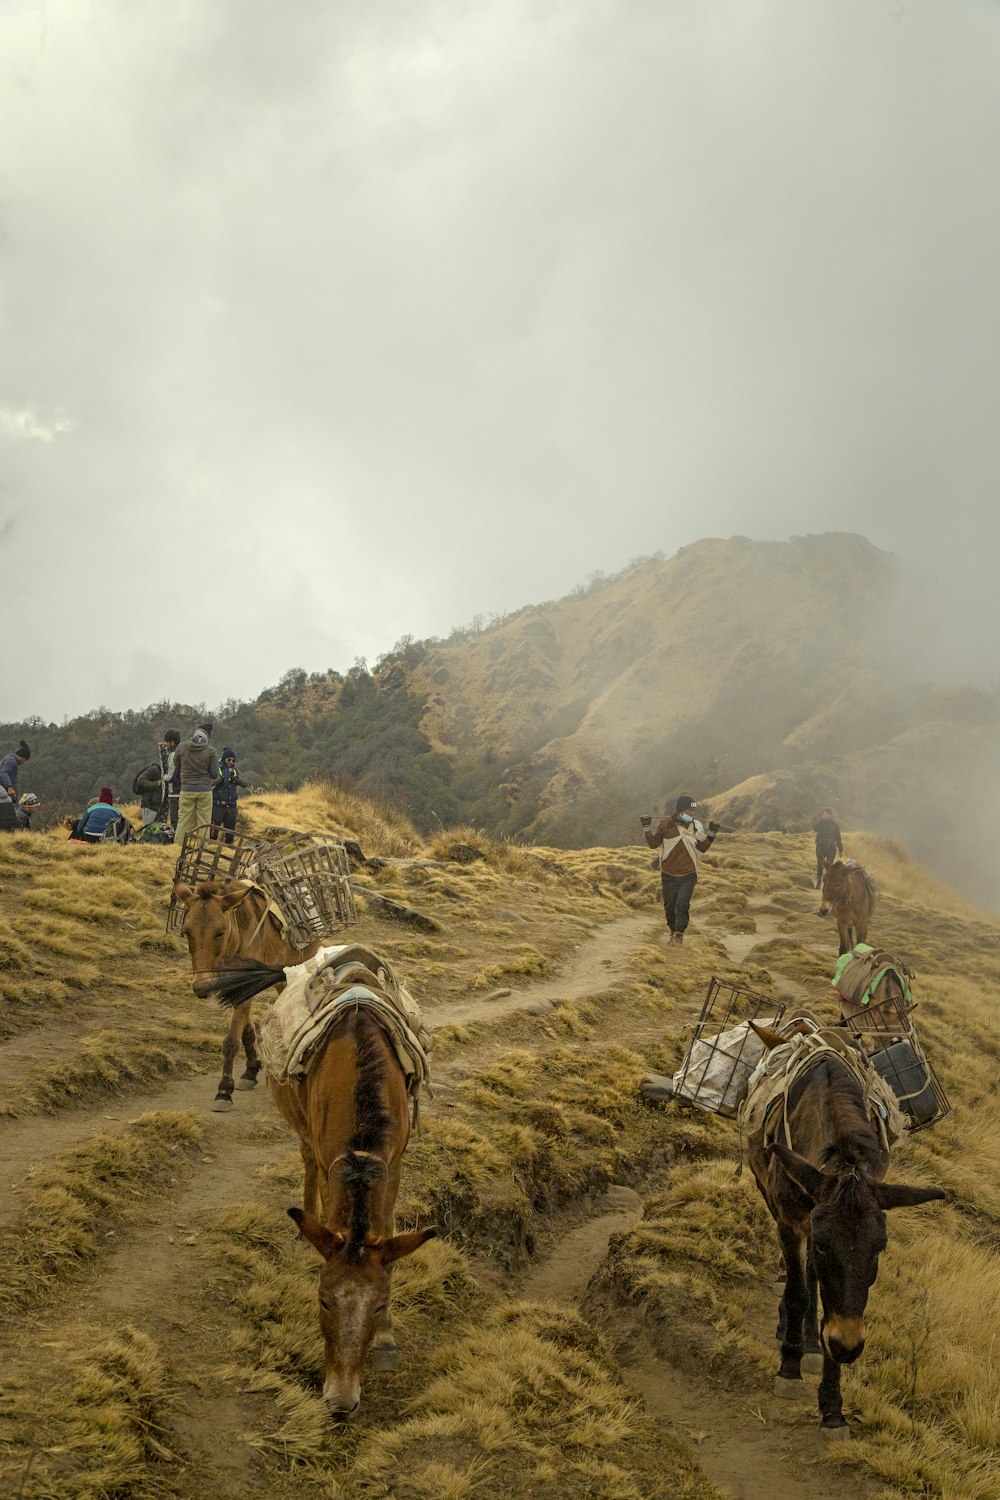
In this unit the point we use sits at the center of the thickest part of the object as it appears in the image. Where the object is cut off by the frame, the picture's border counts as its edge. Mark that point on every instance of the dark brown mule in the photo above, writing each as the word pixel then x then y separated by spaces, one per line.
pixel 849 892
pixel 351 1112
pixel 227 920
pixel 828 1200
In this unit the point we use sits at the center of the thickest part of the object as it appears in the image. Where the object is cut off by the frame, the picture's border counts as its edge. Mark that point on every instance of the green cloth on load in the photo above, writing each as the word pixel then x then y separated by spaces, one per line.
pixel 859 973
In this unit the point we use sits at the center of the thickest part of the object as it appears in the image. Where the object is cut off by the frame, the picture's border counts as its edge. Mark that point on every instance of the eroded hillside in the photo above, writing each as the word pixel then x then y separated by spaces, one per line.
pixel 158 1322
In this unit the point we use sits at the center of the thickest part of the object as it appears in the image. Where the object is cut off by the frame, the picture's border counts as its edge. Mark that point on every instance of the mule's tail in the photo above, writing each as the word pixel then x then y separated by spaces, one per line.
pixel 243 978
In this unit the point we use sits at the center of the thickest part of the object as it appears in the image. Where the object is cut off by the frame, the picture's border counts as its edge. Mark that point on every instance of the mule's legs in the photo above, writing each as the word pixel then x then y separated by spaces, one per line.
pixel 230 1047
pixel 310 1191
pixel 831 1407
pixel 249 1039
pixel 812 1360
pixel 384 1352
pixel 788 1381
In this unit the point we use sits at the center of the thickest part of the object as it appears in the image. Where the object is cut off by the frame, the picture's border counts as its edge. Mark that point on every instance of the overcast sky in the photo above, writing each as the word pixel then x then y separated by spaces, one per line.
pixel 326 322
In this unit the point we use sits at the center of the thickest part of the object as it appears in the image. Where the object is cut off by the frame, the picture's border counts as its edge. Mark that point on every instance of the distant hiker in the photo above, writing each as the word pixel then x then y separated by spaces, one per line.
pixel 198 765
pixel 225 795
pixel 171 775
pixel 92 827
pixel 828 841
pixel 26 809
pixel 9 767
pixel 148 787
pixel 680 839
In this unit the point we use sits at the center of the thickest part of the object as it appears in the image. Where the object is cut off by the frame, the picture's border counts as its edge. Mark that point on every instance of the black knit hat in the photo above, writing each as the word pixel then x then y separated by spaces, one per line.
pixel 683 803
pixel 22 751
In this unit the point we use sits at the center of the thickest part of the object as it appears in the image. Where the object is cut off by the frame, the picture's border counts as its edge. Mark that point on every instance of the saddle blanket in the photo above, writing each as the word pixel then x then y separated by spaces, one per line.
pixel 321 992
pixel 764 1106
pixel 860 973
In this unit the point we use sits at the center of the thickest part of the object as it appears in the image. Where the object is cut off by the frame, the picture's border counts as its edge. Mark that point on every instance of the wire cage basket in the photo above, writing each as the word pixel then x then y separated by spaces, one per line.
pixel 888 1037
pixel 307 877
pixel 204 858
pixel 310 879
pixel 724 1049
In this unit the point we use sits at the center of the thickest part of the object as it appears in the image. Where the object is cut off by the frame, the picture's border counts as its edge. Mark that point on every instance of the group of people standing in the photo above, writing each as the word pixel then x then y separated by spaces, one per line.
pixel 187 786
pixel 191 785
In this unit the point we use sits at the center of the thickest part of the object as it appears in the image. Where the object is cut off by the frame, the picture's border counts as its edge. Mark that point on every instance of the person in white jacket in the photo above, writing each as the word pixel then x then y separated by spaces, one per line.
pixel 681 839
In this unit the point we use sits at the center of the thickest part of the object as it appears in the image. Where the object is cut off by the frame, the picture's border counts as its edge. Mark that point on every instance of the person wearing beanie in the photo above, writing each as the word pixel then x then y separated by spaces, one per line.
pixel 26 809
pixel 198 765
pixel 9 767
pixel 92 826
pixel 171 776
pixel 680 839
pixel 225 795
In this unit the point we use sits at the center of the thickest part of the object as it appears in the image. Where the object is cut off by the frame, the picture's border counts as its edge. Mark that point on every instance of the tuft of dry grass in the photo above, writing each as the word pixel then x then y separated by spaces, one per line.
pixel 75 1200
pixel 102 1429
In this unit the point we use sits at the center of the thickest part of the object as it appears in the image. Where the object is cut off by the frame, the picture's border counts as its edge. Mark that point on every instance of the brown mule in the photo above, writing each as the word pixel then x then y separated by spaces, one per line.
pixel 849 892
pixel 351 1112
pixel 227 921
pixel 828 1199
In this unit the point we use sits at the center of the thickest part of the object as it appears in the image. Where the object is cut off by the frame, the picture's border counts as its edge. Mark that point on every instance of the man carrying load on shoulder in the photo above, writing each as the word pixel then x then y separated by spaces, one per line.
pixel 681 839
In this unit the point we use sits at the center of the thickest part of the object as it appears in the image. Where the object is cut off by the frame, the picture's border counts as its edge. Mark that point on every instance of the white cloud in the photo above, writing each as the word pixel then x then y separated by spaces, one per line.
pixel 26 425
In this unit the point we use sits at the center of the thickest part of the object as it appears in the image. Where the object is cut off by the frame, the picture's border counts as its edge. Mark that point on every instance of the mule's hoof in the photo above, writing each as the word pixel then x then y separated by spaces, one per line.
pixel 384 1357
pixel 790 1389
pixel 778 1288
pixel 221 1103
pixel 839 1434
pixel 812 1363
pixel 246 1082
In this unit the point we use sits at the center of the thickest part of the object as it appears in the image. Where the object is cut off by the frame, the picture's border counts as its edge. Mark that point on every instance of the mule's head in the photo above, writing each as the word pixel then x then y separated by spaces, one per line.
pixel 832 883
pixel 211 933
pixel 353 1296
pixel 847 1236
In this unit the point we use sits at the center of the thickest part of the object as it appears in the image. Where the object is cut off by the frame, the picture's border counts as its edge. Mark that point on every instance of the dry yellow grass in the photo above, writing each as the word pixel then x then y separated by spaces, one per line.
pixel 74 1201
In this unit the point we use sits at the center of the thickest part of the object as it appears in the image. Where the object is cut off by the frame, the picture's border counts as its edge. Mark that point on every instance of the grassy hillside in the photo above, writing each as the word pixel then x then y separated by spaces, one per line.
pixel 774 676
pixel 158 1324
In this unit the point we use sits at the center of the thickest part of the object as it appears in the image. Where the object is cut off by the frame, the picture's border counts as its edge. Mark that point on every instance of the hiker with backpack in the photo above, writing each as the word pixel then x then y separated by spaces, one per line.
pixel 225 795
pixel 148 787
pixel 93 827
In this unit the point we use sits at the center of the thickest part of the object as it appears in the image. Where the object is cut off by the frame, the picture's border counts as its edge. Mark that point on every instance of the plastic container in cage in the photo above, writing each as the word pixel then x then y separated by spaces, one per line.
pixel 889 1038
pixel 724 1048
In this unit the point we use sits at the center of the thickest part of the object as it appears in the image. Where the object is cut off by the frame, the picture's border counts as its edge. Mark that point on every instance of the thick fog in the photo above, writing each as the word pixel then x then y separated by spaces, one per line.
pixel 328 323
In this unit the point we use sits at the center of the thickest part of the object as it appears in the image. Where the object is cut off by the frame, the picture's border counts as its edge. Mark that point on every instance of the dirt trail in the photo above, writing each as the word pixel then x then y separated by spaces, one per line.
pixel 596 964
pixel 753 1447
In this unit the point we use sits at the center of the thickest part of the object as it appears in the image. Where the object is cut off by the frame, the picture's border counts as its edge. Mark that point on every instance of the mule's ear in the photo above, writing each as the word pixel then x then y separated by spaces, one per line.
pixel 405 1244
pixel 233 892
pixel 326 1241
pixel 769 1037
pixel 184 893
pixel 809 1179
pixel 898 1195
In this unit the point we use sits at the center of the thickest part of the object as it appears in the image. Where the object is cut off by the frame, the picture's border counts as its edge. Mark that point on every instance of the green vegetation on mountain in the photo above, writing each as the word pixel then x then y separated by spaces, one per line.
pixel 770 677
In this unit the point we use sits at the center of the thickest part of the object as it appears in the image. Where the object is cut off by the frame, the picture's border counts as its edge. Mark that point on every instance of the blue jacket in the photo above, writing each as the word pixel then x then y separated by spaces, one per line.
pixel 98 816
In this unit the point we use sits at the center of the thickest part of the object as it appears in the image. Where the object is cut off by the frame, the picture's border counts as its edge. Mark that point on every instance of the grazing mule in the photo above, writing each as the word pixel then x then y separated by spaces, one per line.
pixel 227 920
pixel 849 892
pixel 828 1199
pixel 351 1111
